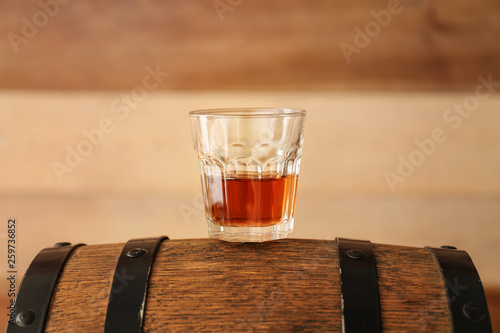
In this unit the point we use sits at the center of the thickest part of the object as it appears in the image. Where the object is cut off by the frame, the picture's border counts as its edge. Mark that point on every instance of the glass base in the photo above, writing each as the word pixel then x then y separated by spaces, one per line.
pixel 249 234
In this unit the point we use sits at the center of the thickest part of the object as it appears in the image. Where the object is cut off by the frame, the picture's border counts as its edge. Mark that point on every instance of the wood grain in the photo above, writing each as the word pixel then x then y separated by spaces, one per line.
pixel 492 294
pixel 81 296
pixel 201 285
pixel 216 286
pixel 412 293
pixel 253 45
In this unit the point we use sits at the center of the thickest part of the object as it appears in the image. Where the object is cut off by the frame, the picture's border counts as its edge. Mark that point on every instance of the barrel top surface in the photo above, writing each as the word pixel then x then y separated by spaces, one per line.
pixel 284 285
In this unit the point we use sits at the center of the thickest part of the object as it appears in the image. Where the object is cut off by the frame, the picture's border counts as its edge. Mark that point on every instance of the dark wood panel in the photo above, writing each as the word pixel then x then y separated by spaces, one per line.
pixel 258 44
pixel 493 298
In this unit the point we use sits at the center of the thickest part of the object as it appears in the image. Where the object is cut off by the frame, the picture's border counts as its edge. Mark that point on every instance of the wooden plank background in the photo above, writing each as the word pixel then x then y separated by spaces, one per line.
pixel 258 45
pixel 352 140
pixel 64 63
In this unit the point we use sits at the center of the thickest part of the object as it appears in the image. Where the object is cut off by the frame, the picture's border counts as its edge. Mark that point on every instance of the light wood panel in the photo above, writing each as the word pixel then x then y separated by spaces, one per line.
pixel 355 143
pixel 276 45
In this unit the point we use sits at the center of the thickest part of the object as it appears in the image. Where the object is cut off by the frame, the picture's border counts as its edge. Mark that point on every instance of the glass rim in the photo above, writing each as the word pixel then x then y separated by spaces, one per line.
pixel 248 112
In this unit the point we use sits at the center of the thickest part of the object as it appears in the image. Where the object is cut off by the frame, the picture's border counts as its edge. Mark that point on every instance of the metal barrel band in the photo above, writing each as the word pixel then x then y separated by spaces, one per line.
pixel 466 297
pixel 127 297
pixel 37 288
pixel 360 294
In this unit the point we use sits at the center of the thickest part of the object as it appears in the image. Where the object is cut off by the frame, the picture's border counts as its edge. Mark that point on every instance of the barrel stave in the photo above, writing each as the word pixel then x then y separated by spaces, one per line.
pixel 412 291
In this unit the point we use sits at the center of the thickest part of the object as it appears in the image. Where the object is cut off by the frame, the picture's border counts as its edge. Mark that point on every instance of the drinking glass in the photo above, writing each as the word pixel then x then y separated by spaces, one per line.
pixel 249 163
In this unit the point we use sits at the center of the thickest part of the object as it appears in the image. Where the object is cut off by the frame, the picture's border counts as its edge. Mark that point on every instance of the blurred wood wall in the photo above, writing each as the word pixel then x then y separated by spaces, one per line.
pixel 264 51
pixel 238 45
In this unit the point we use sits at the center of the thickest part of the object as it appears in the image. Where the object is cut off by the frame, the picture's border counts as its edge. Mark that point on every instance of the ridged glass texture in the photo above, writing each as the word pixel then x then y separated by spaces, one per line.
pixel 249 164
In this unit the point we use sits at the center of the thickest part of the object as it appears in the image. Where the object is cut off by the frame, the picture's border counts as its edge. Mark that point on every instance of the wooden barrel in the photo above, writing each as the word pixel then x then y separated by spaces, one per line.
pixel 291 285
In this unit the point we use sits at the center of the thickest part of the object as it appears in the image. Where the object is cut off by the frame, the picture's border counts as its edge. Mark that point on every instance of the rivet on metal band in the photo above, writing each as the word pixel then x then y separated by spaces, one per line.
pixel 465 291
pixel 127 298
pixel 37 288
pixel 360 294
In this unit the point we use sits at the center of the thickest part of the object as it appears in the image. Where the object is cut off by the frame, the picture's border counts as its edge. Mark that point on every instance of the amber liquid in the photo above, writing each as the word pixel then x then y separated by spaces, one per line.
pixel 250 202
